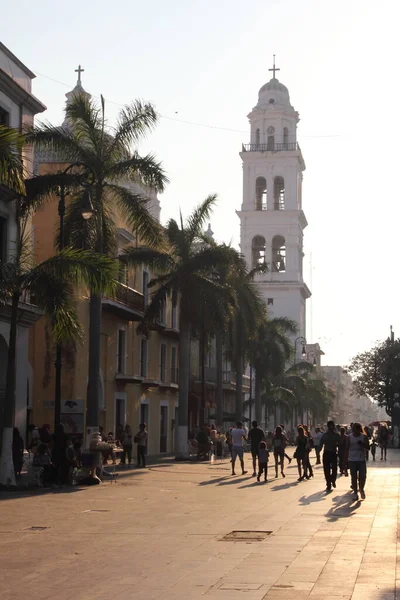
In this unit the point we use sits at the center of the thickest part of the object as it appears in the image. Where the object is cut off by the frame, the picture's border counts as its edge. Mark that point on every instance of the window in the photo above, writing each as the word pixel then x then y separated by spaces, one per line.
pixel 285 138
pixel 145 288
pixel 270 302
pixel 257 138
pixel 121 356
pixel 261 193
pixel 3 239
pixel 163 362
pixel 123 272
pixel 278 254
pixel 174 370
pixel 4 117
pixel 143 357
pixel 174 316
pixel 279 193
pixel 271 143
pixel 258 250
pixel 163 313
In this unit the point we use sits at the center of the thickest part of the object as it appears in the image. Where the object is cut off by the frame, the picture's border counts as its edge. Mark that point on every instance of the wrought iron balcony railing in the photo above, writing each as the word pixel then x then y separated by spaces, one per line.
pixel 284 147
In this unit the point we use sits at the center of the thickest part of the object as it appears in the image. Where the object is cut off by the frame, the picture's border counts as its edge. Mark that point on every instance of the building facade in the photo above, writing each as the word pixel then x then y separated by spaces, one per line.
pixel 139 375
pixel 272 220
pixel 18 107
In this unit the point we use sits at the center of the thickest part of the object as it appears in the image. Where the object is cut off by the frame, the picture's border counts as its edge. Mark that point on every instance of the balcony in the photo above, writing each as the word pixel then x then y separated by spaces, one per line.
pixel 127 303
pixel 229 380
pixel 285 147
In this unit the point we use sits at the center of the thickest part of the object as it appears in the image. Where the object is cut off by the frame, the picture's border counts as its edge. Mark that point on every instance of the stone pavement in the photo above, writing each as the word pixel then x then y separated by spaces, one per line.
pixel 160 536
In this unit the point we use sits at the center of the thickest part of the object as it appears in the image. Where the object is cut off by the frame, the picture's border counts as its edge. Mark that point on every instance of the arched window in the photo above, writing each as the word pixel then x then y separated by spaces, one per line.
pixel 257 138
pixel 261 193
pixel 278 254
pixel 271 143
pixel 279 193
pixel 258 250
pixel 285 138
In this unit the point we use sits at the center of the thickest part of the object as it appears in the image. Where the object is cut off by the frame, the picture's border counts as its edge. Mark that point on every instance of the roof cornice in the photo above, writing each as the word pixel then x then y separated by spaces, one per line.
pixel 16 60
pixel 12 89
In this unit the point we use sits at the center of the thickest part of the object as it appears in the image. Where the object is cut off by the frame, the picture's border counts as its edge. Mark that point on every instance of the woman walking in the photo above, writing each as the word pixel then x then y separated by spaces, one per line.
pixel 127 445
pixel 342 452
pixel 279 443
pixel 383 438
pixel 301 452
pixel 310 446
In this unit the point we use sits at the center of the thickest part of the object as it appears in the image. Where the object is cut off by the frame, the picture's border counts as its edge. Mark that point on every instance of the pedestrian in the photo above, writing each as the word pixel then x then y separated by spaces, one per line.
pixel 263 455
pixel 238 437
pixel 342 452
pixel 357 444
pixel 255 437
pixel 58 453
pixel 300 453
pixel 330 441
pixel 228 437
pixel 383 439
pixel 310 446
pixel 17 451
pixel 316 439
pixel 141 441
pixel 279 443
pixel 374 446
pixel 127 445
pixel 287 441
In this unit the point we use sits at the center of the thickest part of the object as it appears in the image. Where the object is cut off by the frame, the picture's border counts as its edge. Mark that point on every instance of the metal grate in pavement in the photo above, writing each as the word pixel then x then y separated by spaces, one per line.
pixel 35 528
pixel 96 510
pixel 245 536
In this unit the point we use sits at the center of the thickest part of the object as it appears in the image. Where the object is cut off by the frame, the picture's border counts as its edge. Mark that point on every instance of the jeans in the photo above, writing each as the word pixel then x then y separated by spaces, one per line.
pixel 358 467
pixel 141 455
pixel 329 460
pixel 126 451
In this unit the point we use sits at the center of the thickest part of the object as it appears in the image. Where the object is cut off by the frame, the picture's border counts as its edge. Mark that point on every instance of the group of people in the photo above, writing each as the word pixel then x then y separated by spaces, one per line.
pixel 125 439
pixel 346 448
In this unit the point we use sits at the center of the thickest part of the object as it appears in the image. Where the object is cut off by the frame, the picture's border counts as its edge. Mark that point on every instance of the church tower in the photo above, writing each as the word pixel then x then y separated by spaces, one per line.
pixel 271 217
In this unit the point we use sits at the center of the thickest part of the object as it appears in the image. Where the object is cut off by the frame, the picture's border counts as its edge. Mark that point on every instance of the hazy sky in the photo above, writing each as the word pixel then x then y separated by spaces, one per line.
pixel 203 61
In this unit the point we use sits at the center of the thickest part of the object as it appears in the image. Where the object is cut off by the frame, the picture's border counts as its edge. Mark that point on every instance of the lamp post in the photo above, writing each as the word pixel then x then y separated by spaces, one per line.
pixel 87 212
pixel 300 340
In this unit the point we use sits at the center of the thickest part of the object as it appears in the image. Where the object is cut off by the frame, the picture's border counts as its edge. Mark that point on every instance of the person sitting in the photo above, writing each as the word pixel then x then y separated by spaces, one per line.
pixel 203 444
pixel 193 446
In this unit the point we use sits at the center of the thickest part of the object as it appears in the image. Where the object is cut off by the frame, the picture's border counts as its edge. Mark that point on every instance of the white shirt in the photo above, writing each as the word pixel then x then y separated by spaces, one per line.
pixel 356 450
pixel 237 436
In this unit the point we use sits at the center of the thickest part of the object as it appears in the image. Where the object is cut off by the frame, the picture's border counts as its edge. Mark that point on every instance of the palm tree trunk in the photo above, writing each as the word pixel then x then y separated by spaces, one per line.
pixel 239 388
pixel 93 391
pixel 257 393
pixel 219 390
pixel 184 374
pixel 7 474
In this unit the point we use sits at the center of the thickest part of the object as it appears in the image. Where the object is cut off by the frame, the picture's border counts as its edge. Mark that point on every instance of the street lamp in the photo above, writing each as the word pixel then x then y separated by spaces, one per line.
pixel 300 340
pixel 87 212
pixel 313 354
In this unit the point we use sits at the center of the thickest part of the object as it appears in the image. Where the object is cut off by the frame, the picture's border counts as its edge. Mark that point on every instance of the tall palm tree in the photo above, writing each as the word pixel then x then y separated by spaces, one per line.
pixel 11 166
pixel 118 174
pixel 51 285
pixel 270 351
pixel 186 272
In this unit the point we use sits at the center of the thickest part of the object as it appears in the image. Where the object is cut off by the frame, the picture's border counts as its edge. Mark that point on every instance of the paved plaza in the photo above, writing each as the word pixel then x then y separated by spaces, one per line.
pixel 158 533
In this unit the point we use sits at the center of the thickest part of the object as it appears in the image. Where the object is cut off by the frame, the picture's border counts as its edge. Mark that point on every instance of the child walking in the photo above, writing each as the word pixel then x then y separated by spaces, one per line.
pixel 263 455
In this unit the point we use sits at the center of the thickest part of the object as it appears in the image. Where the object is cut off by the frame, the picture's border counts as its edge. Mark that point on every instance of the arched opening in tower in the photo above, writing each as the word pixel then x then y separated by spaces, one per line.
pixel 278 254
pixel 279 193
pixel 258 251
pixel 261 193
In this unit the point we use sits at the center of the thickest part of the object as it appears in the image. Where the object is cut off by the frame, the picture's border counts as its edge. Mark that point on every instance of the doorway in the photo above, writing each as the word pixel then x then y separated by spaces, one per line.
pixel 144 418
pixel 163 429
pixel 120 412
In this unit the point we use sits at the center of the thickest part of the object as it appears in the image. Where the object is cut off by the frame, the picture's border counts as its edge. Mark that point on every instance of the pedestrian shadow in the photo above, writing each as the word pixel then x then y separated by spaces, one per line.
pixel 344 508
pixel 231 480
pixel 217 480
pixel 284 486
pixel 317 497
pixel 254 483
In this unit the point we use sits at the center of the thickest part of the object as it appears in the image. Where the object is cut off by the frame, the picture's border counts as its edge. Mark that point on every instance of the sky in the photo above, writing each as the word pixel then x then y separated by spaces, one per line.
pixel 202 62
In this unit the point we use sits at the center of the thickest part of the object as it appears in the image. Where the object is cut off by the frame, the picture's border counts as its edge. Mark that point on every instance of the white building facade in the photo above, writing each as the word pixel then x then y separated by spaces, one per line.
pixel 271 217
pixel 18 107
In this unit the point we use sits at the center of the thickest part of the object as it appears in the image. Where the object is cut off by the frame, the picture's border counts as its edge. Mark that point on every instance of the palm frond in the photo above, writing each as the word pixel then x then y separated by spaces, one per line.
pixel 11 165
pixel 157 261
pixel 60 140
pixel 44 187
pixel 145 171
pixel 133 123
pixel 86 120
pixel 134 209
pixel 9 280
pixel 196 221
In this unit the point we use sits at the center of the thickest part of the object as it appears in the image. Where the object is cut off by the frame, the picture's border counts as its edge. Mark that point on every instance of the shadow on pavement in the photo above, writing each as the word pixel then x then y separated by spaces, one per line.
pixel 284 486
pixel 344 507
pixel 317 497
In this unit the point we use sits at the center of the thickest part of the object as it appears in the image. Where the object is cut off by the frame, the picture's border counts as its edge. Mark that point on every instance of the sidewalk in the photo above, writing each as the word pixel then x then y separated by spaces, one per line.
pixel 158 533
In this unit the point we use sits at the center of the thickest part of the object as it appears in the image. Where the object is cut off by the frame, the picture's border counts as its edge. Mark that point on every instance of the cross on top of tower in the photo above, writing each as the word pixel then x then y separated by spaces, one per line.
pixel 79 70
pixel 274 69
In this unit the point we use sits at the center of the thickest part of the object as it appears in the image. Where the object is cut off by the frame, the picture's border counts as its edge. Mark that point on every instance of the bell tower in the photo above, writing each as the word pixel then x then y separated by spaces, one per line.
pixel 271 216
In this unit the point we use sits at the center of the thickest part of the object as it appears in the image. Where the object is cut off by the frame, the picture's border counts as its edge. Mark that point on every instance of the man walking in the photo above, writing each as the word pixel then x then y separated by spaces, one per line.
pixel 357 444
pixel 238 436
pixel 317 440
pixel 330 441
pixel 255 437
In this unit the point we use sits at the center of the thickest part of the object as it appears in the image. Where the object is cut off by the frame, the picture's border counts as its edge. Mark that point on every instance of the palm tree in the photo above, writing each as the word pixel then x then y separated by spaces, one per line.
pixel 11 166
pixel 118 174
pixel 270 351
pixel 250 311
pixel 186 272
pixel 51 285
